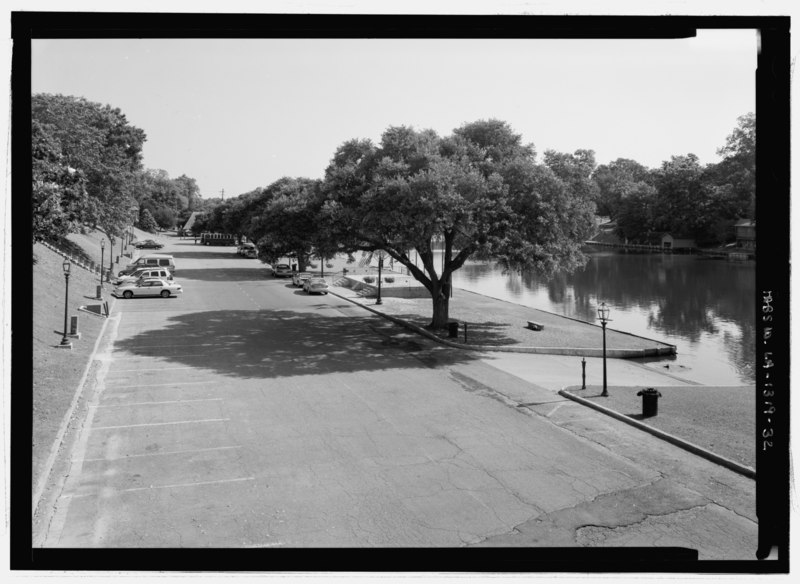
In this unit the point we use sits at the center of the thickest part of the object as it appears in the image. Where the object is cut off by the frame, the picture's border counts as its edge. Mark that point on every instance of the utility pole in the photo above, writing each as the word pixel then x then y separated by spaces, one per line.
pixel 223 194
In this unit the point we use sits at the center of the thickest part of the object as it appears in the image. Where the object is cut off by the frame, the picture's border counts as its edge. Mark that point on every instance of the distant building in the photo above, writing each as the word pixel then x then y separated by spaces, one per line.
pixel 746 234
pixel 670 241
pixel 190 222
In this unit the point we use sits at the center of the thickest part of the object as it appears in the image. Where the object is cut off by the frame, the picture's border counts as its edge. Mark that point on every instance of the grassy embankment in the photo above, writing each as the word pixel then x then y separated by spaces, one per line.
pixel 57 372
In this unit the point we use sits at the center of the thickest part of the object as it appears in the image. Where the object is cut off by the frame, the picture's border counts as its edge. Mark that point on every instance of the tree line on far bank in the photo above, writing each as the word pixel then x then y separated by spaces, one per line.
pixel 88 173
pixel 480 193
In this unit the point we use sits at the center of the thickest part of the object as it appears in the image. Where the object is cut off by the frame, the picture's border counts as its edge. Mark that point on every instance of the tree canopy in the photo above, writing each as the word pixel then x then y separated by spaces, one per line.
pixel 87 172
pixel 476 193
pixel 98 142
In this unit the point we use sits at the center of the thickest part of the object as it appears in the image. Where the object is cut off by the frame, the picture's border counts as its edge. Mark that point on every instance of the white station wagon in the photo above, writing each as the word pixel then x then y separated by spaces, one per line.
pixel 148 287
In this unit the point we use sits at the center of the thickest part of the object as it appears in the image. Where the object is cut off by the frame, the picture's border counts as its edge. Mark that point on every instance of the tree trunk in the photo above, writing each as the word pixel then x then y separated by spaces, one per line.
pixel 441 308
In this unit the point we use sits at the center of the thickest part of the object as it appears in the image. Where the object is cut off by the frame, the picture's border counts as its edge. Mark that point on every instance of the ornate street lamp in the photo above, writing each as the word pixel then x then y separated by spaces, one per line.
pixel 602 313
pixel 102 256
pixel 66 267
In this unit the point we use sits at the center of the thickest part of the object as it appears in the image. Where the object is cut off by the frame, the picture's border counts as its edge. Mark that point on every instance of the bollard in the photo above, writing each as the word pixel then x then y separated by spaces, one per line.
pixel 99 293
pixel 465 333
pixel 649 402
pixel 583 365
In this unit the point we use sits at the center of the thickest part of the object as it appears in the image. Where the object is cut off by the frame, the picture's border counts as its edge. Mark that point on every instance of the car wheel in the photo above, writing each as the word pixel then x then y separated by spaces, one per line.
pixel 127 294
pixel 165 294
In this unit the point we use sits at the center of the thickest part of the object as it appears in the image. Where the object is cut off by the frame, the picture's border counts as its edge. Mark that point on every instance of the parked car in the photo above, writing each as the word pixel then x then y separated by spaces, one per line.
pixel 247 250
pixel 148 244
pixel 148 287
pixel 151 260
pixel 299 277
pixel 315 286
pixel 144 273
pixel 282 271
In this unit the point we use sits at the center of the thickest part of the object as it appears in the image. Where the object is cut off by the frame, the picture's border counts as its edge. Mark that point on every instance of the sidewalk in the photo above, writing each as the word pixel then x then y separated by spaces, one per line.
pixel 717 422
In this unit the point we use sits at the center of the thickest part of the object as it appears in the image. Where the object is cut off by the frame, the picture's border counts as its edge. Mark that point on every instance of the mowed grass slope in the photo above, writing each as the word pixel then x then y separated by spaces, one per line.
pixel 57 373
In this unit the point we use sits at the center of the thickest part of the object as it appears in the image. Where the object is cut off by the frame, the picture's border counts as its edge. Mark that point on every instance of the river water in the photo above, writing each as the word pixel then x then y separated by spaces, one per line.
pixel 705 307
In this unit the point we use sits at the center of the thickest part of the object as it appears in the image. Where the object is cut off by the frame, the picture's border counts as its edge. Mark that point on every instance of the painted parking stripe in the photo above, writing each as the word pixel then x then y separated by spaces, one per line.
pixel 165 384
pixel 107 492
pixel 154 403
pixel 170 355
pixel 166 453
pixel 136 347
pixel 161 424
pixel 149 369
pixel 178 485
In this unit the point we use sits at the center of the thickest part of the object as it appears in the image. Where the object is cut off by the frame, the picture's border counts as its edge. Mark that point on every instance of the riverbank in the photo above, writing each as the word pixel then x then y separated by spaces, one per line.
pixel 489 323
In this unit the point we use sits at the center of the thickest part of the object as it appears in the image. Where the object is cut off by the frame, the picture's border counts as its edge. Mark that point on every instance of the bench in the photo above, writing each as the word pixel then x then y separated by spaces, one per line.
pixel 535 326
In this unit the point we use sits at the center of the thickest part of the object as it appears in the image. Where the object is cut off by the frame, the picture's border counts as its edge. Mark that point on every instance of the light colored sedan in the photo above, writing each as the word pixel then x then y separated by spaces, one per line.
pixel 299 277
pixel 282 271
pixel 315 286
pixel 148 287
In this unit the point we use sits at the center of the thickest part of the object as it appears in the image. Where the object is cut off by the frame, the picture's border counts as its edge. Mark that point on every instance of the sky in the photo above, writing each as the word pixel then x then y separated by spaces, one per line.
pixel 238 114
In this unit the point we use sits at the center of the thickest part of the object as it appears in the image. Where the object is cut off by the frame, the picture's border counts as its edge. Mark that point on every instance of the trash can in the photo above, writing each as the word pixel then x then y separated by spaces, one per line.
pixel 452 329
pixel 649 402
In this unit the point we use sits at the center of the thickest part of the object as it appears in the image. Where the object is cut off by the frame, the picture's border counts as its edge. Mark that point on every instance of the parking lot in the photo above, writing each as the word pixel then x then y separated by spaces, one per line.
pixel 248 414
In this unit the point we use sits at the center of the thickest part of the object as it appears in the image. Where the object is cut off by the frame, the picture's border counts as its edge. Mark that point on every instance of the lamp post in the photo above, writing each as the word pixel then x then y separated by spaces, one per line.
pixel 111 255
pixel 380 268
pixel 66 267
pixel 602 313
pixel 583 375
pixel 102 256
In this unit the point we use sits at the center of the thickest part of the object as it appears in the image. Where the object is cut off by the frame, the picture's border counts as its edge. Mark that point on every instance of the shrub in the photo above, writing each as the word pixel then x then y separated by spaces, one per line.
pixel 369 279
pixel 388 279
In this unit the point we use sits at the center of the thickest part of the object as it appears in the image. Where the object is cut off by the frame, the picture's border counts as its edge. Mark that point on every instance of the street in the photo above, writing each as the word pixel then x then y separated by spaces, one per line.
pixel 245 413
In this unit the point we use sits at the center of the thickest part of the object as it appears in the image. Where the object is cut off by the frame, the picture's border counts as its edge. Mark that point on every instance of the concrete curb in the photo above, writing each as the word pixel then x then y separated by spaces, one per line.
pixel 693 448
pixel 569 351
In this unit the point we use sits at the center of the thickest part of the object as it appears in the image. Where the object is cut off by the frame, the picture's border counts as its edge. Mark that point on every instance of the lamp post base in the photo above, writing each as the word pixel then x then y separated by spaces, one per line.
pixel 64 345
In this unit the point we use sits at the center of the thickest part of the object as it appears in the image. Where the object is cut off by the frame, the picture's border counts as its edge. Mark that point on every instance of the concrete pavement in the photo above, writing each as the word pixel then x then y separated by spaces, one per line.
pixel 247 414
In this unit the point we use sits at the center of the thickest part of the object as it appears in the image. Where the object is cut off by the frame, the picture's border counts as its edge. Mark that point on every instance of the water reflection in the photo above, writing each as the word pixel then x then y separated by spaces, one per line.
pixel 703 306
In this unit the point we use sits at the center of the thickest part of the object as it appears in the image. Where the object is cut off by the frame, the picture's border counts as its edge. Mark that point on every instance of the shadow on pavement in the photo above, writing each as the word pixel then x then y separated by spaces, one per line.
pixel 205 255
pixel 483 333
pixel 222 274
pixel 282 343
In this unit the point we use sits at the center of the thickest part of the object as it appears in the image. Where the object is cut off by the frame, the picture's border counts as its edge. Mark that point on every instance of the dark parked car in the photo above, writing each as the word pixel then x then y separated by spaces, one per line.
pixel 148 244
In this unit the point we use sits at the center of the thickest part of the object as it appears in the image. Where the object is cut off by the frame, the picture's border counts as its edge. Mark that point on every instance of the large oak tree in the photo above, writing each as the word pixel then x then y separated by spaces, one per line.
pixel 478 193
